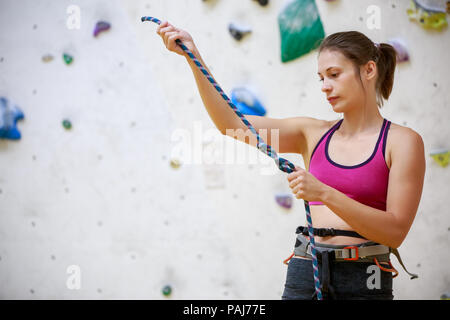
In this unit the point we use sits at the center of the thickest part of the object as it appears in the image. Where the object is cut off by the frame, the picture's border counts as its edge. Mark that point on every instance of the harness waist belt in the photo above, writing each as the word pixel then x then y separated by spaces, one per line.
pixel 326 232
pixel 352 253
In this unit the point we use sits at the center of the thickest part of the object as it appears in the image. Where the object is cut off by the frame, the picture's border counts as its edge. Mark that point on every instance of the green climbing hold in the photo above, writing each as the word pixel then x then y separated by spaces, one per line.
pixel 301 29
pixel 167 290
pixel 67 58
pixel 66 124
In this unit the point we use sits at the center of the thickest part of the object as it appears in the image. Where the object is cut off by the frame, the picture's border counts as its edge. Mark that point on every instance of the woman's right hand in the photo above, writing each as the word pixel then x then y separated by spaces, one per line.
pixel 169 34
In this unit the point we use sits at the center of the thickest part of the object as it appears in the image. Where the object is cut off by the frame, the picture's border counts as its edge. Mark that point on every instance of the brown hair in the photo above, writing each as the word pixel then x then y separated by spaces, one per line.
pixel 360 49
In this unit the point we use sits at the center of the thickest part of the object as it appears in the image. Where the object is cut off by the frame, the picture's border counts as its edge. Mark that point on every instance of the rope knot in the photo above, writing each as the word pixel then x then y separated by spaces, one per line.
pixel 285 165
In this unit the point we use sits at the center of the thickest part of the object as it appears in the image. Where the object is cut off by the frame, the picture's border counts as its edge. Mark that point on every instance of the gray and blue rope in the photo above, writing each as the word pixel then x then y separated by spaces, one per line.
pixel 283 164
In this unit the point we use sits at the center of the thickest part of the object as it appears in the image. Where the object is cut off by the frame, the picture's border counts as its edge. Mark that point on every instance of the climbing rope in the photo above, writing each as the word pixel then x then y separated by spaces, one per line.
pixel 283 164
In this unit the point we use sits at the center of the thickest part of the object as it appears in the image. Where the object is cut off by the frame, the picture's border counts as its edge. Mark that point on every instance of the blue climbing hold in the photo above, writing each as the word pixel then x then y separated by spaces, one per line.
pixel 246 102
pixel 9 115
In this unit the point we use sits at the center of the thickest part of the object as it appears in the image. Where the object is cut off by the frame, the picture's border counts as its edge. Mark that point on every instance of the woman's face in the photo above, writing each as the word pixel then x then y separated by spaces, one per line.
pixel 339 80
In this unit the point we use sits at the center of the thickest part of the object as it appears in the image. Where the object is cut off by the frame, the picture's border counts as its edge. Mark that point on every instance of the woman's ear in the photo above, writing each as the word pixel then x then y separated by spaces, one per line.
pixel 370 70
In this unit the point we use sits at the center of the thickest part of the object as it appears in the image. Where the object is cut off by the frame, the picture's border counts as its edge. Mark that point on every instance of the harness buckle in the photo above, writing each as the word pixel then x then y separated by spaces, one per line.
pixel 325 232
pixel 350 253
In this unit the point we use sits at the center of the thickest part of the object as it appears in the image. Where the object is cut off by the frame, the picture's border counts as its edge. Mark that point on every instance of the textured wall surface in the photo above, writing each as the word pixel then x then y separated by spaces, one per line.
pixel 97 212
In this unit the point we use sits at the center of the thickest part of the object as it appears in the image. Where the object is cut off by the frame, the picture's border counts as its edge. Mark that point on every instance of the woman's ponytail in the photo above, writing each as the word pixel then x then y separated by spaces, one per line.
pixel 386 62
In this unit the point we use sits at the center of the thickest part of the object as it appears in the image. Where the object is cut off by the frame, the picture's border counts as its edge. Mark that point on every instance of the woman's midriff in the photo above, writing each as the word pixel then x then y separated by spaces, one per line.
pixel 323 217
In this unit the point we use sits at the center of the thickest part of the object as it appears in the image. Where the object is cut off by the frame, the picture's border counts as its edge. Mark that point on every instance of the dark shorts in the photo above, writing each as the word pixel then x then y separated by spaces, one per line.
pixel 348 279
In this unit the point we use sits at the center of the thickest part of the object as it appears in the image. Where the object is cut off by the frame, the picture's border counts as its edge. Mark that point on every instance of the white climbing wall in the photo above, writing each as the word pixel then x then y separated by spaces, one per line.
pixel 97 212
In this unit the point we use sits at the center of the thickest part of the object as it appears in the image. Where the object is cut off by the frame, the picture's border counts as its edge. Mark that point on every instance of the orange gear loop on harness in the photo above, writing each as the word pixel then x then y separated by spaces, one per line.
pixel 287 260
pixel 386 269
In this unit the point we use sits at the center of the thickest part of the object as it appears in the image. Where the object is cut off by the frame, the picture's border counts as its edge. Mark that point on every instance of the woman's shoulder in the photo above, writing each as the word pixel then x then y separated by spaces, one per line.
pixel 399 132
pixel 404 140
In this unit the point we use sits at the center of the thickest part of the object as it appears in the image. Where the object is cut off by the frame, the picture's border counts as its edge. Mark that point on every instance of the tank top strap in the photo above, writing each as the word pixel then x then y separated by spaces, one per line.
pixel 384 137
pixel 325 135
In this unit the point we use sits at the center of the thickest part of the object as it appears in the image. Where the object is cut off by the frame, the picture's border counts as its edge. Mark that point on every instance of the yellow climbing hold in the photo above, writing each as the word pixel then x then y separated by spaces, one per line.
pixel 175 163
pixel 47 58
pixel 441 156
pixel 428 19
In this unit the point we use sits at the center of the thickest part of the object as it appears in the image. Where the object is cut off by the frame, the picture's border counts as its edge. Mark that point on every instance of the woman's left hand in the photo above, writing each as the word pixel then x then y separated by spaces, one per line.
pixel 305 186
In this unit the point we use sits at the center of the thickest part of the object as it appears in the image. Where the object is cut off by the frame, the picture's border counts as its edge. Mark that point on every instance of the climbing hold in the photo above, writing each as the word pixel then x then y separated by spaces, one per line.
pixel 67 124
pixel 100 27
pixel 263 3
pixel 431 14
pixel 400 47
pixel 47 58
pixel 9 115
pixel 445 296
pixel 246 102
pixel 238 32
pixel 175 163
pixel 167 290
pixel 441 156
pixel 301 29
pixel 284 200
pixel 432 5
pixel 67 58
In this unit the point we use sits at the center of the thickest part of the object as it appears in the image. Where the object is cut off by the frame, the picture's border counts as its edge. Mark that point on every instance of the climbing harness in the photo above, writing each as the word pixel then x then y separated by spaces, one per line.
pixel 364 252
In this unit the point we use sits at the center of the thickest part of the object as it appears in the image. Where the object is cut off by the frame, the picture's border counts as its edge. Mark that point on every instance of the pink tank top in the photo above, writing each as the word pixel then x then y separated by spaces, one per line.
pixel 366 182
